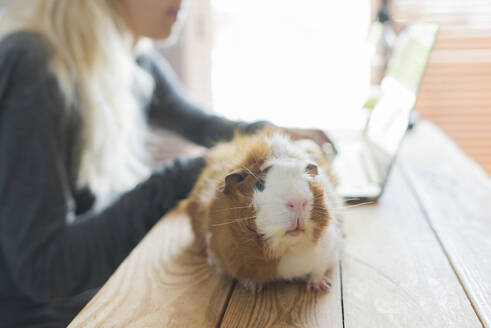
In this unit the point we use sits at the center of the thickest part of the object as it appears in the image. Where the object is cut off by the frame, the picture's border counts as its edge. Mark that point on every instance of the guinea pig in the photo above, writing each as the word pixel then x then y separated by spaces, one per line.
pixel 264 209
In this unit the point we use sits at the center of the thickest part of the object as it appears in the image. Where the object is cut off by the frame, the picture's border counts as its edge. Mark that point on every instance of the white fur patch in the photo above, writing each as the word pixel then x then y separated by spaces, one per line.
pixel 282 147
pixel 315 260
pixel 284 182
pixel 212 258
pixel 287 180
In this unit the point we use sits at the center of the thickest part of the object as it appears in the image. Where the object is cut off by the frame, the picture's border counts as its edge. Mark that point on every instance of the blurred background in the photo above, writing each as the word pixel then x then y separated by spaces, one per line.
pixel 312 63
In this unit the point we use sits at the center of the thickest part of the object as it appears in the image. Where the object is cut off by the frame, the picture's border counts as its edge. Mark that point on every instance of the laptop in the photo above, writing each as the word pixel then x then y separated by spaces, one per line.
pixel 363 162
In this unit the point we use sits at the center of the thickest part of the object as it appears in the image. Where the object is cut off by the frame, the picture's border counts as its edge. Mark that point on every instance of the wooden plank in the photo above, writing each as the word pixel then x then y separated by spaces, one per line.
pixel 162 283
pixel 459 68
pixel 461 56
pixel 456 195
pixel 394 271
pixel 463 110
pixel 478 127
pixel 286 304
pixel 481 118
pixel 467 42
pixel 469 135
pixel 452 97
pixel 471 85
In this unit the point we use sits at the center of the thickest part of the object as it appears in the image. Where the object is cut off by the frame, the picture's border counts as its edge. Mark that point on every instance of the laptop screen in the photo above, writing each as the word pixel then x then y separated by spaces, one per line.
pixel 389 119
pixel 410 55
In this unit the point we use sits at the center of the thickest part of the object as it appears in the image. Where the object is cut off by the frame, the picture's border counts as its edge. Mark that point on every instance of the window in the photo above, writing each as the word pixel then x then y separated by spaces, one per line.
pixel 455 91
pixel 295 63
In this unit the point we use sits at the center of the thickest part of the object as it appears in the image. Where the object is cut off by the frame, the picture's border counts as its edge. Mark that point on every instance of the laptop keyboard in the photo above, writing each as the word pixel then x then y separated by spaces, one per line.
pixel 352 172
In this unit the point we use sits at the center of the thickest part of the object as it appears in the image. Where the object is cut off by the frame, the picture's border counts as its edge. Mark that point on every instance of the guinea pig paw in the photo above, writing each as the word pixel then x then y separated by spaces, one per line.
pixel 318 284
pixel 250 285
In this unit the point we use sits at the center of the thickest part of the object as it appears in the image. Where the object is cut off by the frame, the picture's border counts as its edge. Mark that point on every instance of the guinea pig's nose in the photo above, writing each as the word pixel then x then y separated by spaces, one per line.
pixel 297 207
pixel 296 204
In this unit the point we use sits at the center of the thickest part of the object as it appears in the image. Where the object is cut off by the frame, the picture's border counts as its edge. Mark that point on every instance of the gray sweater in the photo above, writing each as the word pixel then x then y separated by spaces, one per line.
pixel 49 269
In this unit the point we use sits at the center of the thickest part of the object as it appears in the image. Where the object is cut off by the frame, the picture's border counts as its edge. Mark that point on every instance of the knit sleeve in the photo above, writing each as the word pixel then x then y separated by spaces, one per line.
pixel 47 256
pixel 170 108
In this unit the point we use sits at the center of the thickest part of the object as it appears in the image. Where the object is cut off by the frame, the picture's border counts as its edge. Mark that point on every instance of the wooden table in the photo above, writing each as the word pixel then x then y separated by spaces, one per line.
pixel 421 257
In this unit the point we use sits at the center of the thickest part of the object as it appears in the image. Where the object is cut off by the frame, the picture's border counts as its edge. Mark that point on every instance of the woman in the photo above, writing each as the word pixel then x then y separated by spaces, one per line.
pixel 76 190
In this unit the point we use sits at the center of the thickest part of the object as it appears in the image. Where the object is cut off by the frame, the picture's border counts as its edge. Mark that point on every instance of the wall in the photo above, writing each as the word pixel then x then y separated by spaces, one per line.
pixel 456 89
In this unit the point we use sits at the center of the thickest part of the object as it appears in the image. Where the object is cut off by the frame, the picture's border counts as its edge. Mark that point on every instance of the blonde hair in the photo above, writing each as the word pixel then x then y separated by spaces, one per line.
pixel 94 63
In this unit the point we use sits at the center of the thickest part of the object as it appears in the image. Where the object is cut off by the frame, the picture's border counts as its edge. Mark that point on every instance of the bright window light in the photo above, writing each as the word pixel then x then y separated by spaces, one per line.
pixel 294 63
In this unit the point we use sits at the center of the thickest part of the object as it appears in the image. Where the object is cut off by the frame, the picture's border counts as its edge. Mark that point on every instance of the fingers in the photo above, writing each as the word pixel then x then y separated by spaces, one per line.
pixel 324 138
pixel 317 135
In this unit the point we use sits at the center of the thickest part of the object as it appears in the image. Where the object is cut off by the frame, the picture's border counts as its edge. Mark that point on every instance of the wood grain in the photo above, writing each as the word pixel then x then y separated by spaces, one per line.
pixel 456 196
pixel 286 304
pixel 419 258
pixel 394 272
pixel 161 284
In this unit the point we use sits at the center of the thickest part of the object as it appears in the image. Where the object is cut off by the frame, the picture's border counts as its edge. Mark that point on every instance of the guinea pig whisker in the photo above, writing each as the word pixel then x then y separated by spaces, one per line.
pixel 233 208
pixel 352 206
pixel 233 221
pixel 242 219
pixel 320 211
pixel 245 167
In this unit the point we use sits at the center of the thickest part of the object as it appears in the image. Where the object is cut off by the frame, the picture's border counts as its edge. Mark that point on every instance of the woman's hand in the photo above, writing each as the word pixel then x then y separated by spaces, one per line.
pixel 319 136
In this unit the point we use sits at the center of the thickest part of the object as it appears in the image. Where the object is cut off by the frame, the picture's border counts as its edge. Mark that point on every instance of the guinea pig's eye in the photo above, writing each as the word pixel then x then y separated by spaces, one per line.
pixel 259 185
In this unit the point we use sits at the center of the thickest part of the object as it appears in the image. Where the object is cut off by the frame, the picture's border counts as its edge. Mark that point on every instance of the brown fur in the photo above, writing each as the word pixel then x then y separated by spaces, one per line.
pixel 319 214
pixel 224 209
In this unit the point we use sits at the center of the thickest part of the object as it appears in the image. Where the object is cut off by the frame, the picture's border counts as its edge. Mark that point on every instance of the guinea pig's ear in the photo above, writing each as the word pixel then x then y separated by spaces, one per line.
pixel 232 180
pixel 311 170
